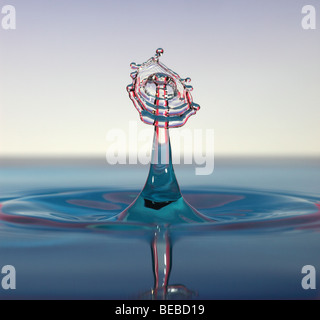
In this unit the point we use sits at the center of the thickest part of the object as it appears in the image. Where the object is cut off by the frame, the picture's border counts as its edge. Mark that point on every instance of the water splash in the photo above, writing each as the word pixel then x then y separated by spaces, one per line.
pixel 159 214
pixel 224 209
pixel 163 99
pixel 160 95
pixel 160 201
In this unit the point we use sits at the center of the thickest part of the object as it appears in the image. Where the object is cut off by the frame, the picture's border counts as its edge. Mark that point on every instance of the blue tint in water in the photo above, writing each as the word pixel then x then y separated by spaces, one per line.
pixel 161 202
pixel 224 209
pixel 66 242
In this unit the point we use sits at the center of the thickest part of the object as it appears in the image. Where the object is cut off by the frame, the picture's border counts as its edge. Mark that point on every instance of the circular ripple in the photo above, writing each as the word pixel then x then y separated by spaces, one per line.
pixel 228 210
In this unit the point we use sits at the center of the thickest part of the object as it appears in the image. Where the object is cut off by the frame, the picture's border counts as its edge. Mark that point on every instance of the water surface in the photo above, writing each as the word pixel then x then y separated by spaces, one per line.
pixel 59 229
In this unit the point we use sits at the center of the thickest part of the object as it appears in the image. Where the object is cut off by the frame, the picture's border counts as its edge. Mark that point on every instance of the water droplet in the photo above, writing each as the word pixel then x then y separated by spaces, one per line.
pixel 196 106
pixel 186 80
pixel 133 65
pixel 159 52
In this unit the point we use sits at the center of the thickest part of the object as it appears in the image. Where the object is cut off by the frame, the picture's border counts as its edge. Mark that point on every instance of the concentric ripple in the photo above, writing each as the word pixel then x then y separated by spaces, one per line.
pixel 226 209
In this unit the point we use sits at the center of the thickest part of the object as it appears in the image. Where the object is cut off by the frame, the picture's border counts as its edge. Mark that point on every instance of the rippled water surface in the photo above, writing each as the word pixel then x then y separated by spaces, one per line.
pixel 60 228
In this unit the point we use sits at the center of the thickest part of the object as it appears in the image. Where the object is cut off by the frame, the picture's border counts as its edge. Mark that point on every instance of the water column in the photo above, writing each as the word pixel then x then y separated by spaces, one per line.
pixel 161 254
pixel 163 100
pixel 161 186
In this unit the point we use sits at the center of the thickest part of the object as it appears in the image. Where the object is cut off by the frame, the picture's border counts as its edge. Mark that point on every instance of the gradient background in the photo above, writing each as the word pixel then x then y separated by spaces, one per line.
pixel 64 70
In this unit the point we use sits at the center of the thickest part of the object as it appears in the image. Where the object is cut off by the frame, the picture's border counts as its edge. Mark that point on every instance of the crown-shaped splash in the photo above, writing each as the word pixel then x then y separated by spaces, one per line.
pixel 163 99
pixel 160 95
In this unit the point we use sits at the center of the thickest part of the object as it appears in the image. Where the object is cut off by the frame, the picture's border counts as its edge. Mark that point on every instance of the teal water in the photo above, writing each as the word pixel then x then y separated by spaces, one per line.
pixel 59 229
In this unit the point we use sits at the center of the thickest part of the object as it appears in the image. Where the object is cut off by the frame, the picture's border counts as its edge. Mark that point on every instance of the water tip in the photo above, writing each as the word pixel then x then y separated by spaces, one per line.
pixel 159 52
pixel 195 106
pixel 129 87
pixel 133 65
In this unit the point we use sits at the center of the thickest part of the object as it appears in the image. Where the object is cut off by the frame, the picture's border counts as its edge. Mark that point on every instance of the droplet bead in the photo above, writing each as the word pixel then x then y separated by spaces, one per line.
pixel 159 52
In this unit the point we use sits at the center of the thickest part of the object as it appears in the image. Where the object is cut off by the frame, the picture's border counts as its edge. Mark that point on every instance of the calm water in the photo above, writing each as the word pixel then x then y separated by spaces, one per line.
pixel 58 227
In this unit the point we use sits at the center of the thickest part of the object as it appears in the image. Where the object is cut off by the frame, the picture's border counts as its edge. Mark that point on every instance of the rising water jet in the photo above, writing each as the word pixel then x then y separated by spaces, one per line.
pixel 163 99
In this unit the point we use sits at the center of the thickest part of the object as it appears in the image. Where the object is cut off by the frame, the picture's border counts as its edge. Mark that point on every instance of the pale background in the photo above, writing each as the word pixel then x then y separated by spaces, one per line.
pixel 64 72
